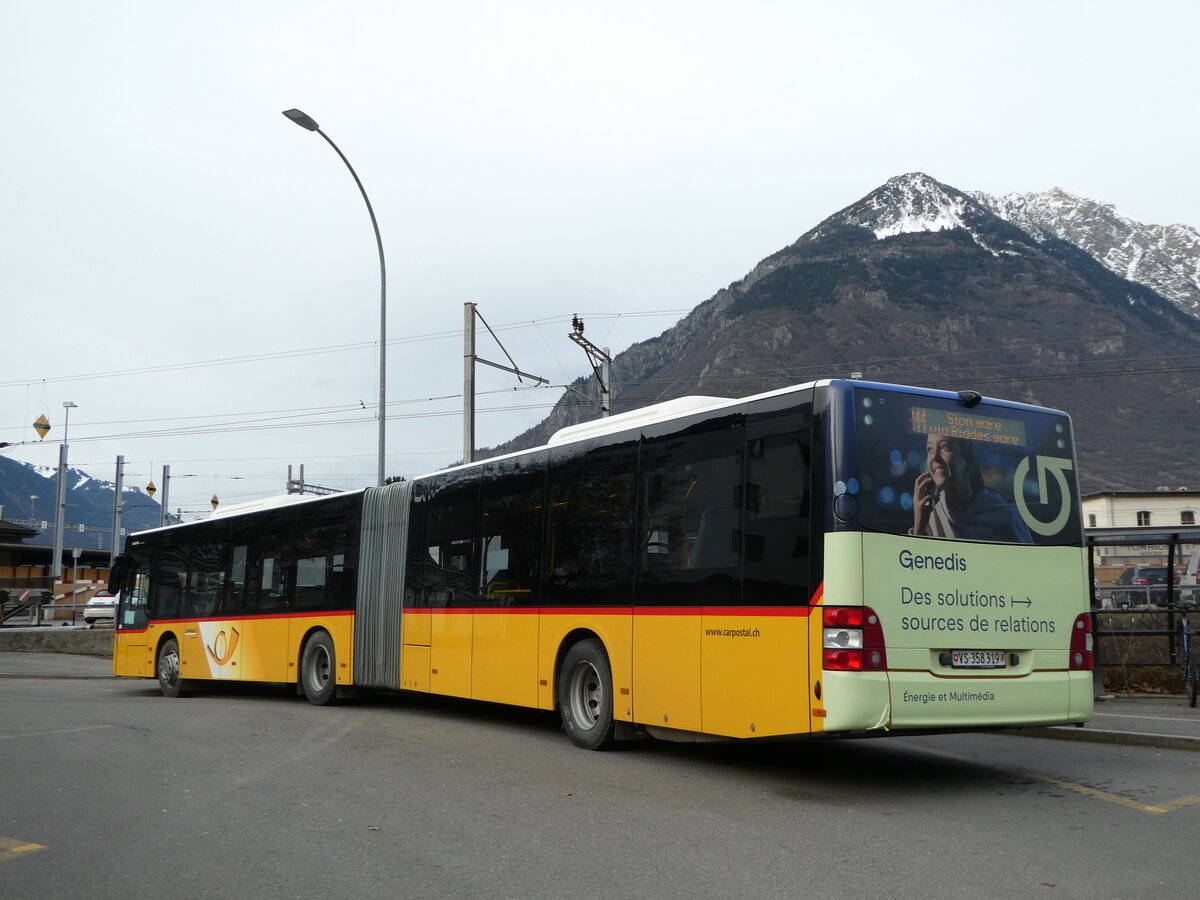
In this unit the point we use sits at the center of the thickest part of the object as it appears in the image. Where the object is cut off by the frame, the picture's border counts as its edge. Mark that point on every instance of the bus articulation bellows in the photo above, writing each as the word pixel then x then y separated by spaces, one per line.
pixel 839 557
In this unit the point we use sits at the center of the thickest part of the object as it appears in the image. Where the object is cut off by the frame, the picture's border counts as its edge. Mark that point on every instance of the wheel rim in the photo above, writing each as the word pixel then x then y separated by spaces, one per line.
pixel 168 668
pixel 585 695
pixel 318 668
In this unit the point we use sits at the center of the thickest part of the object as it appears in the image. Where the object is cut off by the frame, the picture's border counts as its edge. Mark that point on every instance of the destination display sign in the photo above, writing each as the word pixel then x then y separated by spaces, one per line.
pixel 967 426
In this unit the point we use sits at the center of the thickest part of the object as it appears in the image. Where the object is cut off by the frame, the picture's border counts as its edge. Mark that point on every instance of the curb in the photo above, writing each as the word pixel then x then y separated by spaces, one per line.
pixel 1101 736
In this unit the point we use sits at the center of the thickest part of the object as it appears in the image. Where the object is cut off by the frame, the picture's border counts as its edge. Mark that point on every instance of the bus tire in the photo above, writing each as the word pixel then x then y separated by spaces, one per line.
pixel 170 682
pixel 585 699
pixel 318 670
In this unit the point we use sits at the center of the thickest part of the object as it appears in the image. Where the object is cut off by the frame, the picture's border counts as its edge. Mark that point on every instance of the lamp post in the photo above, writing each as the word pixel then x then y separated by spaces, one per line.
pixel 60 515
pixel 310 124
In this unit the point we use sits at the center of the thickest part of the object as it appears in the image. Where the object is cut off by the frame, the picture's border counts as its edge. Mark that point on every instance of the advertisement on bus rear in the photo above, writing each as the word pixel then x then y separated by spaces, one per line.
pixel 932 466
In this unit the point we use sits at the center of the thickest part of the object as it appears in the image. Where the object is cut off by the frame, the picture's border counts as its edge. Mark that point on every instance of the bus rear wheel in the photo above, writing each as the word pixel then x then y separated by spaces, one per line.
pixel 170 682
pixel 318 670
pixel 585 699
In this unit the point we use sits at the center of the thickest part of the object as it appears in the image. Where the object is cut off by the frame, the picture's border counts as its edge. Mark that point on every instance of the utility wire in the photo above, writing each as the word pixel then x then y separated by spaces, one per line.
pixel 315 351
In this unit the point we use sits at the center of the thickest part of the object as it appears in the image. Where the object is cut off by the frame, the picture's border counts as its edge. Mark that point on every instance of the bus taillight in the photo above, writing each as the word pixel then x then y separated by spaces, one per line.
pixel 853 639
pixel 1081 643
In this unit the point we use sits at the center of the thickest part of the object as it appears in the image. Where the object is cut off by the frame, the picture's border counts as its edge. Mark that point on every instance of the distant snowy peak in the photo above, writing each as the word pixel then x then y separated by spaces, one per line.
pixel 1164 258
pixel 76 478
pixel 908 204
pixel 915 203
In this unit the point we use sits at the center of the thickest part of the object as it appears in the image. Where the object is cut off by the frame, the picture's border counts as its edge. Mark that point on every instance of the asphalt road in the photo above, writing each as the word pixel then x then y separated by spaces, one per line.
pixel 108 789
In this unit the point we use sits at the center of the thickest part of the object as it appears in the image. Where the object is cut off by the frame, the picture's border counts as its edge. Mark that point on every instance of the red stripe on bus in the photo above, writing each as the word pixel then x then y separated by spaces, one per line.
pixel 777 611
pixel 769 611
pixel 258 617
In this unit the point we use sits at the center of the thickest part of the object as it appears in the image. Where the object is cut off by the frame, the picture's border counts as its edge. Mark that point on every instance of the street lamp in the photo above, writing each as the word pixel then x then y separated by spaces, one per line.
pixel 310 124
pixel 60 516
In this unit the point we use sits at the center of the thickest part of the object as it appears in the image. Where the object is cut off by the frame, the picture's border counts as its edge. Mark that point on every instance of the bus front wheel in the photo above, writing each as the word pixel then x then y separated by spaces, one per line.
pixel 585 698
pixel 318 671
pixel 170 682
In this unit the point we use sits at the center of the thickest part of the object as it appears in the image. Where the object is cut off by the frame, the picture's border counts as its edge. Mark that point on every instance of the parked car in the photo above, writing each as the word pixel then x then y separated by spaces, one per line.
pixel 1141 586
pixel 102 605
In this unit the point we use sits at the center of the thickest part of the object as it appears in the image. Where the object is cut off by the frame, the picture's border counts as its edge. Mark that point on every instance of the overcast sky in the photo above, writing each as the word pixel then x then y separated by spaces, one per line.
pixel 200 276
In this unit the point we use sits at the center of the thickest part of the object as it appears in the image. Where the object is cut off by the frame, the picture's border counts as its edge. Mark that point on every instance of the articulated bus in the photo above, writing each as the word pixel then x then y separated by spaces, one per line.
pixel 835 558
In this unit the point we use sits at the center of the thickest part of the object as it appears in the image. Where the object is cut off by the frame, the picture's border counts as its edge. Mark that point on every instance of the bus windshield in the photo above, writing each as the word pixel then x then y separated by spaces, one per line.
pixel 928 465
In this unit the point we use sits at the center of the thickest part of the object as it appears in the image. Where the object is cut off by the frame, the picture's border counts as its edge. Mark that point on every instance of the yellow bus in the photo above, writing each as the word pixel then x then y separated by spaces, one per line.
pixel 839 557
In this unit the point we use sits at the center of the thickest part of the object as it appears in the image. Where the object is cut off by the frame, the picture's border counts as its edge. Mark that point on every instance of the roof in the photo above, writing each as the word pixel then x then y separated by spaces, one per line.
pixel 12 532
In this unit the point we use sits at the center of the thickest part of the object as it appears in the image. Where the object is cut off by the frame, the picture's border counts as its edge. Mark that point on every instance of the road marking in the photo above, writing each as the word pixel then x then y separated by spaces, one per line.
pixel 1168 806
pixel 9 737
pixel 1181 802
pixel 11 849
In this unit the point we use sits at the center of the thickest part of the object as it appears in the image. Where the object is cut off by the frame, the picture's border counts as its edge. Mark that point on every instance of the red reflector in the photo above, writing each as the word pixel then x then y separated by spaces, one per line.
pixel 843 616
pixel 843 660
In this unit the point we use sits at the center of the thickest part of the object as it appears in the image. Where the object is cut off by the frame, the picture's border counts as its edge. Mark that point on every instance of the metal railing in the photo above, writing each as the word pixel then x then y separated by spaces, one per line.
pixel 35 607
pixel 1135 626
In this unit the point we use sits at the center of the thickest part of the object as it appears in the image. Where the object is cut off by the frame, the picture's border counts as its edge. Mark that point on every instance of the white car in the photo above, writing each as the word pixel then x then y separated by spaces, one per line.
pixel 101 606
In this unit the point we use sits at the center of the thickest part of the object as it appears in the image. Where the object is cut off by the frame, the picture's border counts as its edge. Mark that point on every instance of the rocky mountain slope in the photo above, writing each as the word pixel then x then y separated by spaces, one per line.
pixel 1164 258
pixel 921 283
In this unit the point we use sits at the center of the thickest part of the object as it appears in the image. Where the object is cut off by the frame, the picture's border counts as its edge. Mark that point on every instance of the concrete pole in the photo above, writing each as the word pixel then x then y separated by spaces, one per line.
pixel 166 492
pixel 117 507
pixel 60 514
pixel 468 382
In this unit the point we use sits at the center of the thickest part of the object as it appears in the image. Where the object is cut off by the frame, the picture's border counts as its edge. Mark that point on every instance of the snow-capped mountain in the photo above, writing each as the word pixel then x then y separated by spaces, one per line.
pixel 28 493
pixel 922 283
pixel 1164 258
pixel 914 203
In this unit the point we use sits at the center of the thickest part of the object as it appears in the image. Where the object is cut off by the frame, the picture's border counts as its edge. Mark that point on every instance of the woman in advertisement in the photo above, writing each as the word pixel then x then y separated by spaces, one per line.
pixel 951 501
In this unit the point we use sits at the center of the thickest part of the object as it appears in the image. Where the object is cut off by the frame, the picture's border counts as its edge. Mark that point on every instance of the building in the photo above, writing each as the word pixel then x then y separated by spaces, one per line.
pixel 1162 516
pixel 1162 509
pixel 13 549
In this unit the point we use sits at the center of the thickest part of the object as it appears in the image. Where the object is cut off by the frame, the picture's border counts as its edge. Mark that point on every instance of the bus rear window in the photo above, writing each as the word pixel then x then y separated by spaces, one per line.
pixel 930 466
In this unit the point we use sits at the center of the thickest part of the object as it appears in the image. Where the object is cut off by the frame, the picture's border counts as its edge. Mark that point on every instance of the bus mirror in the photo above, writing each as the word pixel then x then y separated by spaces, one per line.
pixel 116 574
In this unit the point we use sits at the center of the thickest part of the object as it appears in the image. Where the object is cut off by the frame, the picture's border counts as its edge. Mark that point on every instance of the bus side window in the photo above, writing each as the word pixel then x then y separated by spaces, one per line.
pixel 511 510
pixel 323 578
pixel 591 525
pixel 449 567
pixel 168 569
pixel 778 520
pixel 207 557
pixel 233 600
pixel 689 528
pixel 271 564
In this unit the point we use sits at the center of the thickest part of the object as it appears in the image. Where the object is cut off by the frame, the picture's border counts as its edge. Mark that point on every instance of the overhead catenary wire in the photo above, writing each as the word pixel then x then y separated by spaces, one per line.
pixel 314 351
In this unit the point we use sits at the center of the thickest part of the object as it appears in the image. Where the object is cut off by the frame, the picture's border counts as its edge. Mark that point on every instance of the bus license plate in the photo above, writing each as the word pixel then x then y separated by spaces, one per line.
pixel 977 659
